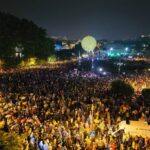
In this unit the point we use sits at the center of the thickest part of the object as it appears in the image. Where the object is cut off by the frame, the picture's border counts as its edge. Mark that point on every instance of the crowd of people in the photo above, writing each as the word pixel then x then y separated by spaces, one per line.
pixel 139 82
pixel 67 109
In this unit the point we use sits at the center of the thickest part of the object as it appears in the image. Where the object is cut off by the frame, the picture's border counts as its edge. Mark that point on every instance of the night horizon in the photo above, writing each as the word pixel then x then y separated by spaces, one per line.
pixel 101 19
pixel 75 75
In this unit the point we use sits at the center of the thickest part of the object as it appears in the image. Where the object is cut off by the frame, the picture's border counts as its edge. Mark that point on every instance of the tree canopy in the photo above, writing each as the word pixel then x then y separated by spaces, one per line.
pixel 15 32
pixel 121 88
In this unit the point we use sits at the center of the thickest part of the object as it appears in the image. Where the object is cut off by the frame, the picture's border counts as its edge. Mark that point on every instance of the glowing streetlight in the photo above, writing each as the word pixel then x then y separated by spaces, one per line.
pixel 111 49
pixel 126 49
pixel 100 69
pixel 104 73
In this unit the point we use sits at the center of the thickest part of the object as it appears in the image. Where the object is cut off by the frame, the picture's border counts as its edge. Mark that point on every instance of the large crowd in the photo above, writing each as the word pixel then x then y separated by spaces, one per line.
pixel 66 109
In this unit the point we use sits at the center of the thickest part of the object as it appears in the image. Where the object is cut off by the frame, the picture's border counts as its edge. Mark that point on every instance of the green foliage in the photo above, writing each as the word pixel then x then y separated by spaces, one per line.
pixel 15 32
pixel 121 88
pixel 52 58
pixel 11 62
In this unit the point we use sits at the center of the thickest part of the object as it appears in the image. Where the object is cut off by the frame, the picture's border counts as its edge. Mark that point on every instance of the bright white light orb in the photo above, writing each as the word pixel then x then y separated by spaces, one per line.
pixel 88 43
pixel 126 49
pixel 111 49
pixel 100 69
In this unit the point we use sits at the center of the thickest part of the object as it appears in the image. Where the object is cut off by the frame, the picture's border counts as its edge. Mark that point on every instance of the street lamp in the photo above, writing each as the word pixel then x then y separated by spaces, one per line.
pixel 104 73
pixel 111 49
pixel 79 58
pixel 126 49
pixel 119 66
pixel 100 69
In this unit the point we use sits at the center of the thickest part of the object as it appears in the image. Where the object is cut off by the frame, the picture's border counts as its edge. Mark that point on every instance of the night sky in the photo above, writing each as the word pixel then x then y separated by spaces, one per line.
pixel 104 19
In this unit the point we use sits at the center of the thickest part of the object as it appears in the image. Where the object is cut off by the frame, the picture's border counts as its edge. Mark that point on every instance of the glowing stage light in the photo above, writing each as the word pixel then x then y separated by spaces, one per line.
pixel 104 73
pixel 88 43
pixel 85 55
pixel 100 69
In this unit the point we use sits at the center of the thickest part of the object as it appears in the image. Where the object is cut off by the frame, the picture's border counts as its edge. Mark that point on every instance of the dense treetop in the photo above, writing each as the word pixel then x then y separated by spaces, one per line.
pixel 23 33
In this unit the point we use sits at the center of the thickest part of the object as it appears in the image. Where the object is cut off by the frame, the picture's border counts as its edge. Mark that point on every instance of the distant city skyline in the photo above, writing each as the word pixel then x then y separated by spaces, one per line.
pixel 103 19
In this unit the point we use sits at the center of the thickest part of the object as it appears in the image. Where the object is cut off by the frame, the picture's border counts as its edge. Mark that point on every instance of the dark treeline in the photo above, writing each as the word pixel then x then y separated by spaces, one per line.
pixel 22 33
